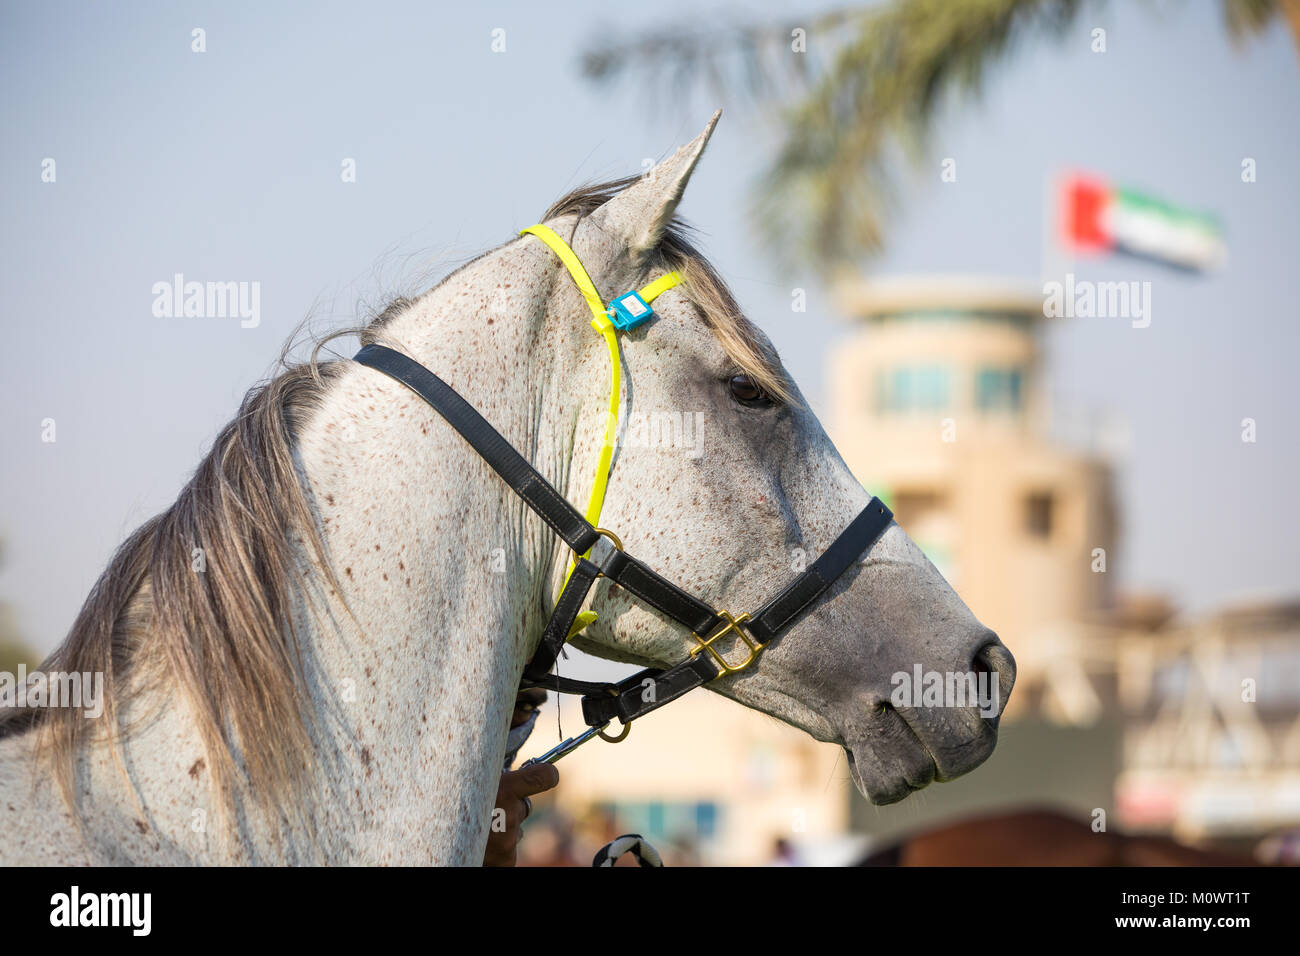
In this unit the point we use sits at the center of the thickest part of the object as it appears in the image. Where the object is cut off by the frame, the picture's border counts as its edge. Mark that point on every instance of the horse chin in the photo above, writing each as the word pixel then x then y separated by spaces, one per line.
pixel 890 779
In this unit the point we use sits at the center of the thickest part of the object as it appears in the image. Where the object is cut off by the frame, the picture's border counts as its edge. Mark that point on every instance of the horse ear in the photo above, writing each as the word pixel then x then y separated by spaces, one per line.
pixel 642 211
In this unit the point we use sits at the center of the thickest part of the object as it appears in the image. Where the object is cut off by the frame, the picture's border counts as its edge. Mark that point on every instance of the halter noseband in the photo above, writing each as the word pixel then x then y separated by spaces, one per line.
pixel 599 553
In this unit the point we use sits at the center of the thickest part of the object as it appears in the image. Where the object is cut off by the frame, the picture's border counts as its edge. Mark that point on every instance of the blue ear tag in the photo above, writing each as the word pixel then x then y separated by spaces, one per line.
pixel 628 311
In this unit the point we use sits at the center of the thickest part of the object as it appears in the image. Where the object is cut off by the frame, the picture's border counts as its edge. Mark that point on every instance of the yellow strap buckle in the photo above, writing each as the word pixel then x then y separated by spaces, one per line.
pixel 728 624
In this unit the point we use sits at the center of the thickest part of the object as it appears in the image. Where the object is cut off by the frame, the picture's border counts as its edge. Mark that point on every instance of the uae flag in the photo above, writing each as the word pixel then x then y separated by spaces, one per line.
pixel 1098 217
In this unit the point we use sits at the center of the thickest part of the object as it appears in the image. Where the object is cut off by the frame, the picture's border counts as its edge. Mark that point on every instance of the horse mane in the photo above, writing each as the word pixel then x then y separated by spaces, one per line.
pixel 223 638
pixel 201 596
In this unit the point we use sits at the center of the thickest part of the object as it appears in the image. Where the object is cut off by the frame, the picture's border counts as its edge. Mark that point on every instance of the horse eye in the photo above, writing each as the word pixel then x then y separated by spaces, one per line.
pixel 746 391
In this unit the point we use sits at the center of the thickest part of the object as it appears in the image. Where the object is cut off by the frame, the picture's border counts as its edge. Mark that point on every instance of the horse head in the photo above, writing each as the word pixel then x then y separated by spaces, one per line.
pixel 725 482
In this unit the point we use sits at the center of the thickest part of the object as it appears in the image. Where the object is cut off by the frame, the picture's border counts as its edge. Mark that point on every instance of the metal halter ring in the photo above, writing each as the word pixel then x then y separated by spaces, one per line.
pixel 614 539
pixel 627 727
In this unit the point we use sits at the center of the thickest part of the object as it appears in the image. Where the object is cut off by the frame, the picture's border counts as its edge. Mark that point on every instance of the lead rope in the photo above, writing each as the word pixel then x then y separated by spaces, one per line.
pixel 640 848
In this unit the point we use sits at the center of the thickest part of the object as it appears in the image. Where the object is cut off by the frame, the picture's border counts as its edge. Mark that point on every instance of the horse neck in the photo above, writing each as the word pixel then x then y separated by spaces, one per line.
pixel 444 580
pixel 446 576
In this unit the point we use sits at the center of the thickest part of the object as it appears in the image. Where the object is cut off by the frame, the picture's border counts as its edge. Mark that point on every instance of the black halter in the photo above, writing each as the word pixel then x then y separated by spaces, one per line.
pixel 649 689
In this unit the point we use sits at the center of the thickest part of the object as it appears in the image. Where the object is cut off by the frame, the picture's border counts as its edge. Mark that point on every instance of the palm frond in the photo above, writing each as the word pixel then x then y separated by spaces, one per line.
pixel 824 200
pixel 736 64
pixel 1247 18
pixel 872 86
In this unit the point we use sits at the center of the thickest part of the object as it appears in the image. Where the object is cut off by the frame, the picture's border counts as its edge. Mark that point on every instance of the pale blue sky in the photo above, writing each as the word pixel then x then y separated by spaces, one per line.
pixel 225 165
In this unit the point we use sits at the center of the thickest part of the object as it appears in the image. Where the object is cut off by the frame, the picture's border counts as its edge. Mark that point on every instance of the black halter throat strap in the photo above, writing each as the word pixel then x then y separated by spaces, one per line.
pixel 722 638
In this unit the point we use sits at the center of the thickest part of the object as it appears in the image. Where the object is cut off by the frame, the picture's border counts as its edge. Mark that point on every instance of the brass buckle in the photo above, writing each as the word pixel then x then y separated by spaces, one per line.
pixel 729 623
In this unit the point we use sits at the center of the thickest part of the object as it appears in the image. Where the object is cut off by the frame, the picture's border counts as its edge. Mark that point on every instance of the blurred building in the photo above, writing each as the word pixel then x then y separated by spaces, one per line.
pixel 1188 727
pixel 938 406
pixel 1212 736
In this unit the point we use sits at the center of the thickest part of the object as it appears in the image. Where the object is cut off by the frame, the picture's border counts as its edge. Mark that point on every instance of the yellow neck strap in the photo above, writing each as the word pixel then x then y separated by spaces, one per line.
pixel 626 311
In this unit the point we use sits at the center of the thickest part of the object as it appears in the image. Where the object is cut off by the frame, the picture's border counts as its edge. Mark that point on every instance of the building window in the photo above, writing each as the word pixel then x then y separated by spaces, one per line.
pixel 913 506
pixel 666 820
pixel 997 389
pixel 926 514
pixel 706 820
pixel 913 389
pixel 1038 514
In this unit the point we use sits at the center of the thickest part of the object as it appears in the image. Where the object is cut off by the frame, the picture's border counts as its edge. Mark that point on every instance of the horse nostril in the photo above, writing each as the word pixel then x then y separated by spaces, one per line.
pixel 994 659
